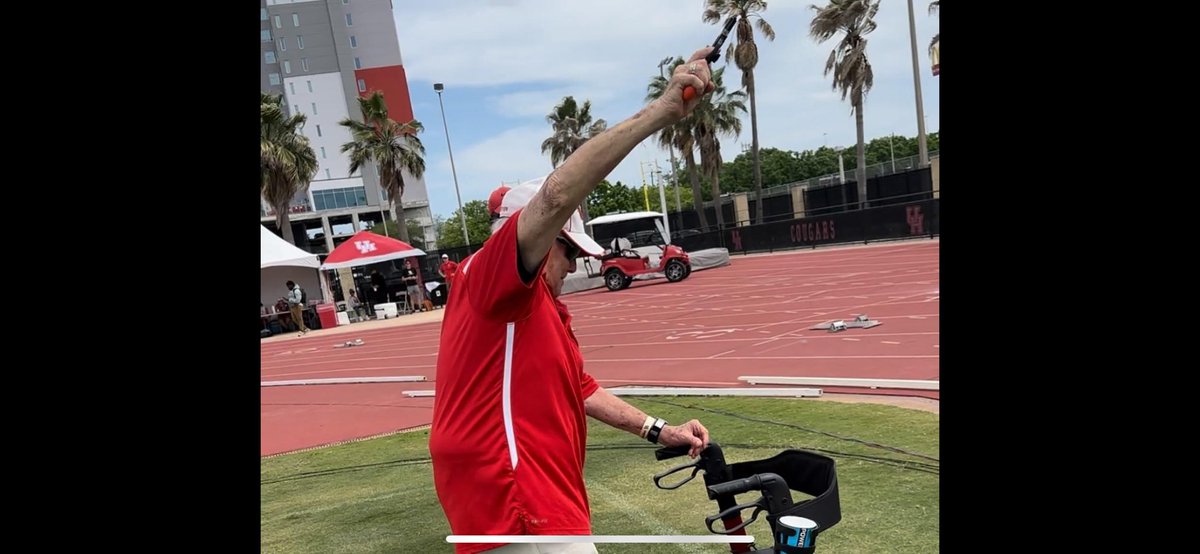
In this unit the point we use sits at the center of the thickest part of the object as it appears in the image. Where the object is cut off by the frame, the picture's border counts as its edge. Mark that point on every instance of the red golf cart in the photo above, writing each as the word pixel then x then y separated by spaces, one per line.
pixel 656 256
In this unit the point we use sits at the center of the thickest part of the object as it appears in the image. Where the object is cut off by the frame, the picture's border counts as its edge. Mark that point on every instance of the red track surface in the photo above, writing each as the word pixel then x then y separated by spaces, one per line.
pixel 749 318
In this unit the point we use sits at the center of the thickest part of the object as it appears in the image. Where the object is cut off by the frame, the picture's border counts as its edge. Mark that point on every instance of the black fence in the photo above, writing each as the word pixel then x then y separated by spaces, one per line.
pixel 911 219
pixel 901 206
pixel 881 191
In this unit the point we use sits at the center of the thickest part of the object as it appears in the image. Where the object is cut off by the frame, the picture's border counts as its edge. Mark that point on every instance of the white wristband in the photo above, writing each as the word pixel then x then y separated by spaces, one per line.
pixel 646 425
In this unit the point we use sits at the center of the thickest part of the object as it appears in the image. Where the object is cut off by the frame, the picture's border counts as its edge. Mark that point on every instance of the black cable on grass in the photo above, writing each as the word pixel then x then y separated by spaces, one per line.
pixel 903 464
pixel 782 424
pixel 882 460
pixel 347 469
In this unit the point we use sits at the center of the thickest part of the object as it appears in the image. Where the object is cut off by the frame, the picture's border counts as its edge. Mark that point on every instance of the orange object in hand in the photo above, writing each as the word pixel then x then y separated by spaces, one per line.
pixel 689 92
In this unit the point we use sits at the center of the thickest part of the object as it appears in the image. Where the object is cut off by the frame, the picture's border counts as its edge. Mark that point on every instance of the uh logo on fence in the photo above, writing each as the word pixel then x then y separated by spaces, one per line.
pixel 916 220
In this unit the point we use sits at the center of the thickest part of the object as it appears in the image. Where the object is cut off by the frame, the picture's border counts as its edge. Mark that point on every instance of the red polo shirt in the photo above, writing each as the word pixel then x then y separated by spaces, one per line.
pixel 509 426
pixel 448 269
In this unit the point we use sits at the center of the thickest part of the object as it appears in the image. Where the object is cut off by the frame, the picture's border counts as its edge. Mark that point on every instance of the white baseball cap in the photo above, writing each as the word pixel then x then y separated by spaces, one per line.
pixel 445 256
pixel 517 197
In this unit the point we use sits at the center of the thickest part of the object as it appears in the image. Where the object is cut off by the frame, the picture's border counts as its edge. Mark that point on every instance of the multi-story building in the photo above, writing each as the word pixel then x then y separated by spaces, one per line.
pixel 322 55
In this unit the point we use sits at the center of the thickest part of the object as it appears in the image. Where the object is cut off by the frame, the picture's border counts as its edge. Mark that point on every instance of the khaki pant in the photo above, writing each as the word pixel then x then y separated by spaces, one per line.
pixel 298 316
pixel 415 297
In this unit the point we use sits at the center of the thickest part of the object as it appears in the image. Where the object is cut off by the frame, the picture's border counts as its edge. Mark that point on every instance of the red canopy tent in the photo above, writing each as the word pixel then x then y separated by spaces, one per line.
pixel 367 248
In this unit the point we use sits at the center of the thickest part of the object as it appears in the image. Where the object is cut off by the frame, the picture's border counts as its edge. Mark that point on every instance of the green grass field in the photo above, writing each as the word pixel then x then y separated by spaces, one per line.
pixel 378 496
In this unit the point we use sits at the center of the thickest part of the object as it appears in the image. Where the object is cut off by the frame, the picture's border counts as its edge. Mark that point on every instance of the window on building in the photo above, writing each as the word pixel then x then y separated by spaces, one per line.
pixel 263 14
pixel 266 35
pixel 322 152
pixel 274 79
pixel 304 63
pixel 362 85
pixel 292 86
pixel 314 105
pixel 357 63
pixel 327 174
pixel 318 130
pixel 309 86
pixel 300 42
pixel 269 56
pixel 339 198
pixel 278 23
pixel 287 67
pixel 345 2
pixel 353 41
pixel 282 44
pixel 296 19
pixel 349 21
pixel 295 108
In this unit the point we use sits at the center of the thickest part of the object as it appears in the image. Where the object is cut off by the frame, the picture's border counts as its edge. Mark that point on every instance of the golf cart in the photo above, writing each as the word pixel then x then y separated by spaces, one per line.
pixel 645 252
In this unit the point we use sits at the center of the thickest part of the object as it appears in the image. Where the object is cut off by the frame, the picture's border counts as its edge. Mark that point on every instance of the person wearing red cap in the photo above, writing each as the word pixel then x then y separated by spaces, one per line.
pixel 494 200
pixel 446 270
pixel 511 395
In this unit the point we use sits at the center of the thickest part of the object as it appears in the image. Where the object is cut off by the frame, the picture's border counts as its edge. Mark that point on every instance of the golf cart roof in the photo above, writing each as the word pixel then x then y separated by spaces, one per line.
pixel 613 218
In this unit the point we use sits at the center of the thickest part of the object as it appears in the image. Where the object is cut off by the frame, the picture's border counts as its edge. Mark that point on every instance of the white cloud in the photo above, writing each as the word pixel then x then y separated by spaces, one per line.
pixel 538 103
pixel 525 55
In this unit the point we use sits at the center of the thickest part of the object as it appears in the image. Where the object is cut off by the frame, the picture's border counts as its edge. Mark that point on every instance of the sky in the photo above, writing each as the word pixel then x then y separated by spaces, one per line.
pixel 506 63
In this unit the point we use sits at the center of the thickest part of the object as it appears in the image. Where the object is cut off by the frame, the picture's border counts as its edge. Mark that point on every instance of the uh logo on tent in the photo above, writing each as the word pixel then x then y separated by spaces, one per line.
pixel 365 246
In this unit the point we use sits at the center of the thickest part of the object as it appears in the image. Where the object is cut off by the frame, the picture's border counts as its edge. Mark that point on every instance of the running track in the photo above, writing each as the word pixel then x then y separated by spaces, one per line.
pixel 749 318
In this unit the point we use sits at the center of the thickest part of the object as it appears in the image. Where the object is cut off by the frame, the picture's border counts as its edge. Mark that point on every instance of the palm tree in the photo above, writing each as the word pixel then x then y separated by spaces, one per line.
pixel 286 161
pixel 852 73
pixel 681 137
pixel 717 114
pixel 933 8
pixel 394 147
pixel 744 53
pixel 571 127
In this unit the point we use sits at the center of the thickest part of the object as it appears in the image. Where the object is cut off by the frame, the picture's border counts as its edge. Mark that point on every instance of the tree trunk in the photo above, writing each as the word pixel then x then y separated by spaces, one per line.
pixel 861 170
pixel 401 225
pixel 281 221
pixel 697 194
pixel 758 215
pixel 716 192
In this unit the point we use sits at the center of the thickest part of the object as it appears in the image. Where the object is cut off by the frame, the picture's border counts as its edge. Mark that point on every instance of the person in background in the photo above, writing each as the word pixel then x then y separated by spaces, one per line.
pixel 295 300
pixel 447 270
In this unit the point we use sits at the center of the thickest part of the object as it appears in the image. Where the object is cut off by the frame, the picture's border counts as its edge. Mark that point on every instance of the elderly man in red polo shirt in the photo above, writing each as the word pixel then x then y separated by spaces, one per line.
pixel 512 397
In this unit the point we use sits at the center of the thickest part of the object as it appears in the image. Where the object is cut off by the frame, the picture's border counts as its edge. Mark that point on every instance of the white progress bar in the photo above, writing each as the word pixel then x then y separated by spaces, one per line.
pixel 596 539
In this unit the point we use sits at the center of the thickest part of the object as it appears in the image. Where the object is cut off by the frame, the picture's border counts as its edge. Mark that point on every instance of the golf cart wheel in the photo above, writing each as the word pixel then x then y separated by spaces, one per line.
pixel 615 280
pixel 688 272
pixel 675 271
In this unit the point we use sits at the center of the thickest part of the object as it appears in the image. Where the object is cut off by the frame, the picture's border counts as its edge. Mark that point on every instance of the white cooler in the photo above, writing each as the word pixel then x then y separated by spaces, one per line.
pixel 385 311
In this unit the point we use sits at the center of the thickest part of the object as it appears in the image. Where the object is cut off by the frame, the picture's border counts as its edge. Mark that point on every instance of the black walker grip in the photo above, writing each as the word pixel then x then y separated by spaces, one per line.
pixel 668 452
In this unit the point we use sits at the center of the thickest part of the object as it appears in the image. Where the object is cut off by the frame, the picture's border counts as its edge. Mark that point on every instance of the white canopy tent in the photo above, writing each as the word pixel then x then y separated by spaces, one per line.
pixel 274 251
pixel 277 256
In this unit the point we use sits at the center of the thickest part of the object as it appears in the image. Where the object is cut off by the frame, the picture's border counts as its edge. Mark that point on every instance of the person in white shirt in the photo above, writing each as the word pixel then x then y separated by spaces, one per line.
pixel 295 300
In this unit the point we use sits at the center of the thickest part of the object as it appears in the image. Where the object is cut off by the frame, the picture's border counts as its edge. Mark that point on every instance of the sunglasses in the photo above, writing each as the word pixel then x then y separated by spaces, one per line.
pixel 570 250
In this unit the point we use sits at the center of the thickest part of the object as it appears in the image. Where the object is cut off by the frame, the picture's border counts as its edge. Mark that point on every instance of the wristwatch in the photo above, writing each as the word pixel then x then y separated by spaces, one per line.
pixel 655 429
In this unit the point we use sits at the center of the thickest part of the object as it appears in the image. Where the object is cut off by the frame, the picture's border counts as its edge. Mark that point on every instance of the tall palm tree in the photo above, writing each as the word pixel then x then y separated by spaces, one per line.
pixel 852 73
pixel 394 147
pixel 681 137
pixel 286 161
pixel 933 8
pixel 716 115
pixel 744 53
pixel 571 127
